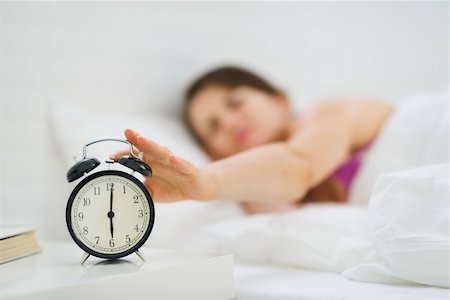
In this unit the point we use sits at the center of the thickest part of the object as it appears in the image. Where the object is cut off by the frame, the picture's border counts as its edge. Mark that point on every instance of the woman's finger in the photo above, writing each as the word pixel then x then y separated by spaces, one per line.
pixel 131 136
pixel 151 148
pixel 144 144
pixel 116 155
pixel 156 151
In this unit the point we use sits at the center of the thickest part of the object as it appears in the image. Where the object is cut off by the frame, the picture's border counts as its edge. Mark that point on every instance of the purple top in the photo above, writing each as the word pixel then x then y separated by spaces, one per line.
pixel 345 173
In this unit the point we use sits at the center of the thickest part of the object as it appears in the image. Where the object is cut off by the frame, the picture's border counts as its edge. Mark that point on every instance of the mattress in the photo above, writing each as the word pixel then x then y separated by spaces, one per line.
pixel 272 282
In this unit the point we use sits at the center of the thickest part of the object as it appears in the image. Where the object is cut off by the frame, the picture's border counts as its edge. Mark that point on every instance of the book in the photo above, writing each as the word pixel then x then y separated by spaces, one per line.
pixel 17 242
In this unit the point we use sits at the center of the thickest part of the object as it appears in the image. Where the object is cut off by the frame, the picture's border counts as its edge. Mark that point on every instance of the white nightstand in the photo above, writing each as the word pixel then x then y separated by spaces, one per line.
pixel 56 273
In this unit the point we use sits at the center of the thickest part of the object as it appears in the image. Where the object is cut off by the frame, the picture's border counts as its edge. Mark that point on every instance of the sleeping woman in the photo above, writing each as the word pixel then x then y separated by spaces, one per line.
pixel 262 155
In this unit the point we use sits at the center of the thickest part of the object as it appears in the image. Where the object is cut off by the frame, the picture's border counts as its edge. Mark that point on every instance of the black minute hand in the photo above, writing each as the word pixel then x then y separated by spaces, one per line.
pixel 111 213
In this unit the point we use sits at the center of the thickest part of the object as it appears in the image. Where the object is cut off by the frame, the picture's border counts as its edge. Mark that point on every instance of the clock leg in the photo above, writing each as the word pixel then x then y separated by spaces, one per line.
pixel 85 256
pixel 139 253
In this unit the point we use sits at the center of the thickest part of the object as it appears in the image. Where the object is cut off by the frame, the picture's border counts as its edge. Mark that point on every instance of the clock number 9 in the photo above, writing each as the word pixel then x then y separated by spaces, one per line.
pixel 80 216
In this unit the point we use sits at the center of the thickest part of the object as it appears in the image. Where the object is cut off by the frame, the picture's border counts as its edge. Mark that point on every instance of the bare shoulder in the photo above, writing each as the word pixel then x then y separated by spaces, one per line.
pixel 328 131
pixel 364 117
pixel 336 107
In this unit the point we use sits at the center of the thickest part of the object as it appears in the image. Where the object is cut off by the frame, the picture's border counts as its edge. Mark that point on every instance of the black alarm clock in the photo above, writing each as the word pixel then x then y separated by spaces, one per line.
pixel 110 213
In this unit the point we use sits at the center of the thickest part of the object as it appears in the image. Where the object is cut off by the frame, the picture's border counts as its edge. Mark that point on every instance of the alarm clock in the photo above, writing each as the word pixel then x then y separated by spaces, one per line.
pixel 110 213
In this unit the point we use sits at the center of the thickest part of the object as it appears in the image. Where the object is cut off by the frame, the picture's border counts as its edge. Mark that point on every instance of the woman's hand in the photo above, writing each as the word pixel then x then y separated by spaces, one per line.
pixel 173 177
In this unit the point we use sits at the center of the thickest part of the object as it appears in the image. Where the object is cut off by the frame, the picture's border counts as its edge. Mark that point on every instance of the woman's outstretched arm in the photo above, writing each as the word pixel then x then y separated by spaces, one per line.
pixel 263 174
pixel 277 172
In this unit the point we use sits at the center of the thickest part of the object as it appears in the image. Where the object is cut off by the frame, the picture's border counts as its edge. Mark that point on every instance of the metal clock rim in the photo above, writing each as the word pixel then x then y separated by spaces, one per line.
pixel 81 184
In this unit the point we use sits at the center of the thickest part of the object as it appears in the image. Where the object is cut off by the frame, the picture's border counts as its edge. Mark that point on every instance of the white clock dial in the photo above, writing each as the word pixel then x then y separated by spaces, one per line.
pixel 110 214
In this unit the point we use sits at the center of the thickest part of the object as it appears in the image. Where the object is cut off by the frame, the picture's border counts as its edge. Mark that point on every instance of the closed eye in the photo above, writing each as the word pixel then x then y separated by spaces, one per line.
pixel 213 126
pixel 233 102
pixel 234 98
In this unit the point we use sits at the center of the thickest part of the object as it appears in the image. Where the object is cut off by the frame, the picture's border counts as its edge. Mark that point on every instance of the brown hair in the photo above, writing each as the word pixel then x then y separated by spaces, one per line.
pixel 228 77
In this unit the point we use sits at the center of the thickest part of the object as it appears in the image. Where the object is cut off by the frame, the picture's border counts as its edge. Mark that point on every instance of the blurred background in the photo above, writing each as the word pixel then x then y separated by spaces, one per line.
pixel 138 57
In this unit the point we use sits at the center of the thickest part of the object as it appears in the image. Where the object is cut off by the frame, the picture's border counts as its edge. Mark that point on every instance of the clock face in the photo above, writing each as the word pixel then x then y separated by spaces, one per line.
pixel 110 214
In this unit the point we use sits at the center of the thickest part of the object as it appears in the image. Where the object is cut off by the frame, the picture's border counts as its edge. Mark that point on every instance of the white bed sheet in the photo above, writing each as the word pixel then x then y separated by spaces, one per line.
pixel 272 282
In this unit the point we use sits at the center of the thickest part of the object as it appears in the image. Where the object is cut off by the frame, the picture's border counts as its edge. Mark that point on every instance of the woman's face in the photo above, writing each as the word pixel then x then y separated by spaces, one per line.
pixel 228 121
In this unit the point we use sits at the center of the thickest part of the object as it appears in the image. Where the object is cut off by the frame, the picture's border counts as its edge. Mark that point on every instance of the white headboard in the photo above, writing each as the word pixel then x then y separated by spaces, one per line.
pixel 106 54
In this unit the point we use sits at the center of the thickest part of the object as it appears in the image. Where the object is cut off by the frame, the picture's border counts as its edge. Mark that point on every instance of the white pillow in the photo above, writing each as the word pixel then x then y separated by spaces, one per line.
pixel 416 134
pixel 409 225
pixel 330 237
pixel 75 126
pixel 175 223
